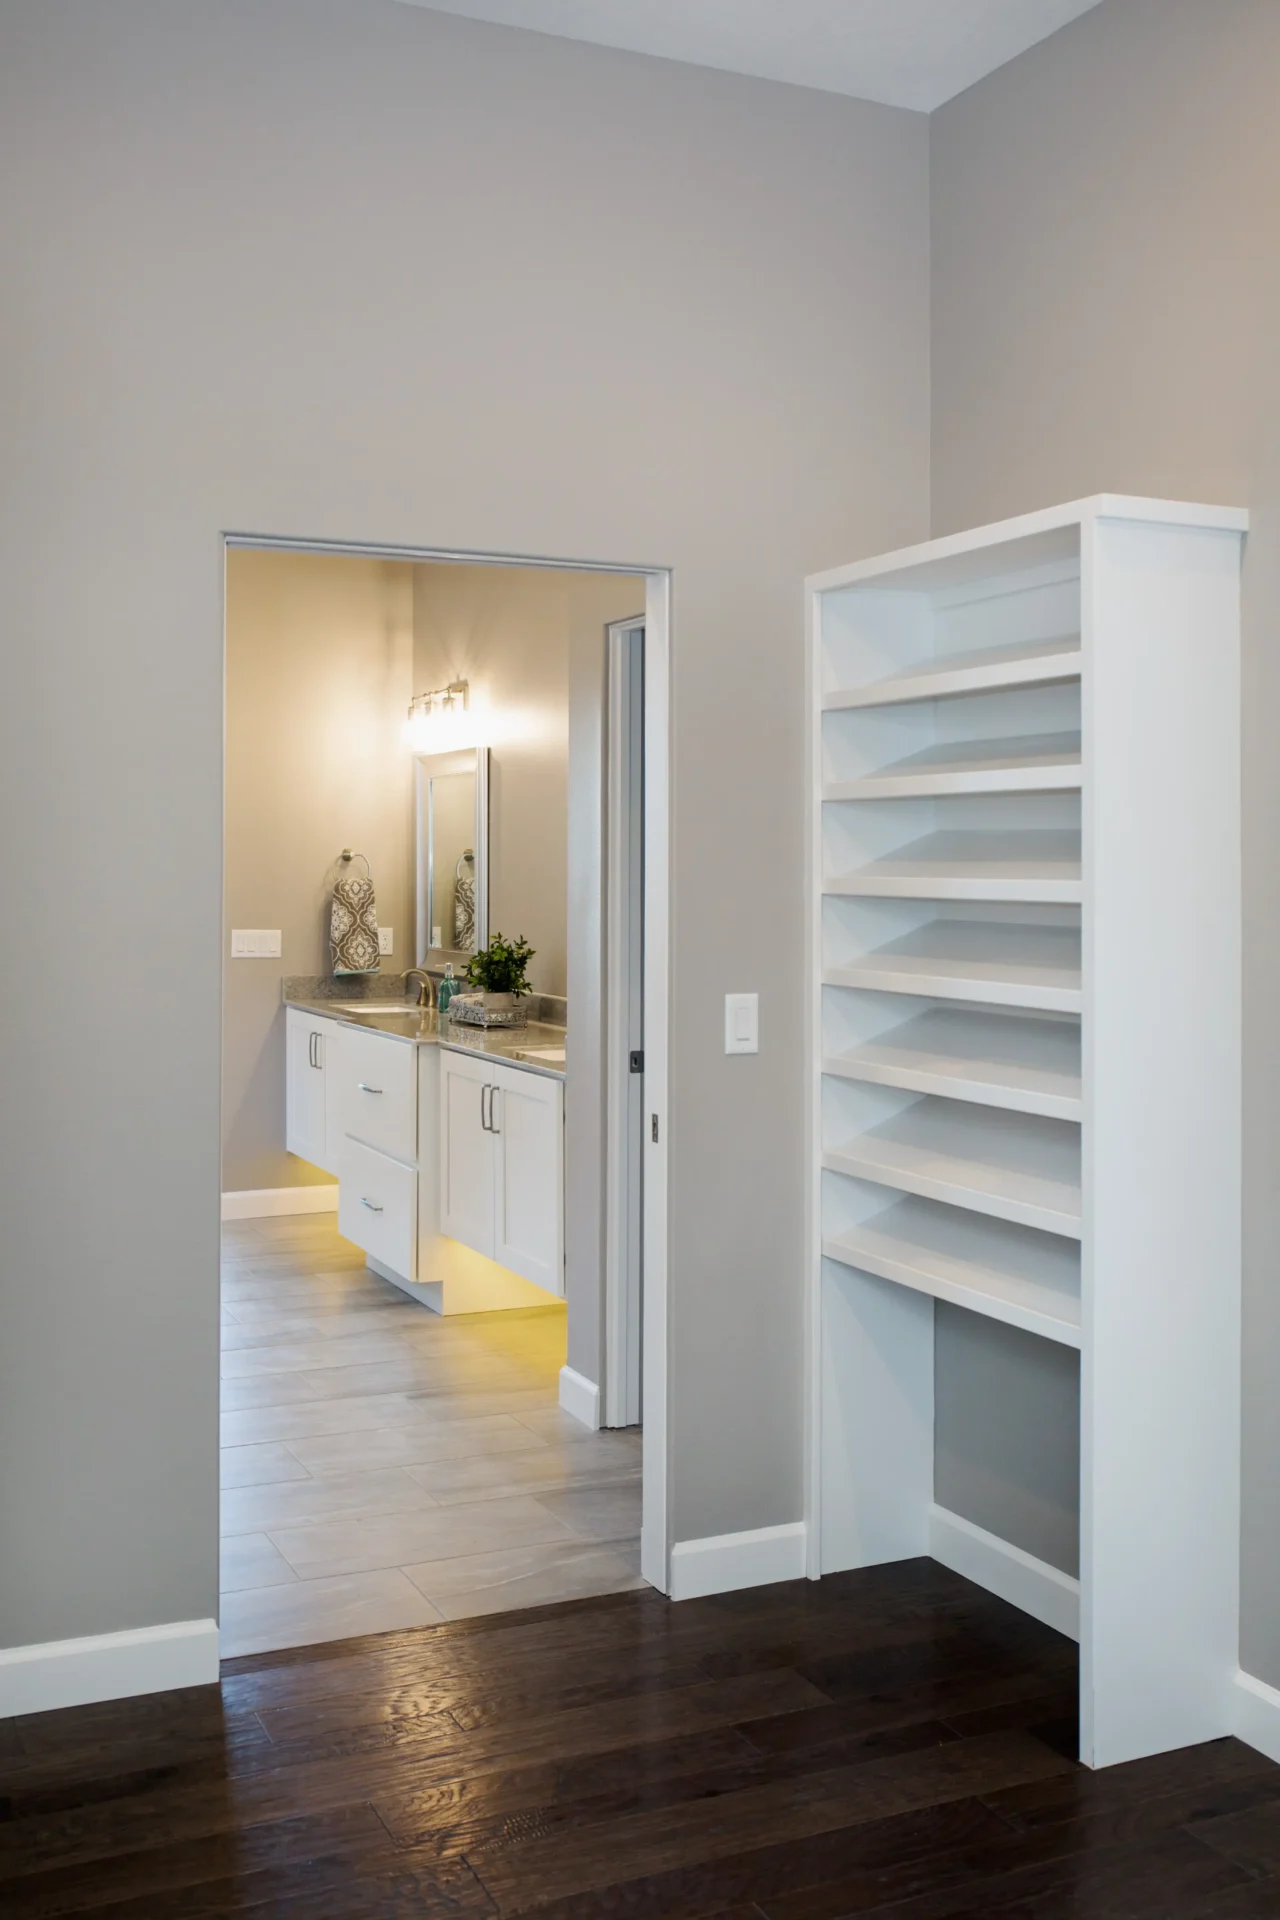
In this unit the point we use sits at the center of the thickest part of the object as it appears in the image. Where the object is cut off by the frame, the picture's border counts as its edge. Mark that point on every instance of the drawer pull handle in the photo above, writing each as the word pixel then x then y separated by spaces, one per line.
pixel 365 1089
pixel 369 1203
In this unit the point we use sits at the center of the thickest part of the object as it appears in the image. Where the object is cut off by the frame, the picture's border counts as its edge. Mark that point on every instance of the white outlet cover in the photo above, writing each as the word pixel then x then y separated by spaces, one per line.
pixel 386 939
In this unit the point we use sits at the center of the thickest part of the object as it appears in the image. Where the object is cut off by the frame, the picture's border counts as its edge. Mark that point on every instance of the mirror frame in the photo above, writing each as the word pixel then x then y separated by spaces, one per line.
pixel 427 767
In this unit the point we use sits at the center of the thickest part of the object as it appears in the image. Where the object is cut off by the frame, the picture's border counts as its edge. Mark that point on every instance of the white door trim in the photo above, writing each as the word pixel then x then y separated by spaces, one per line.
pixel 655 1528
pixel 624 1091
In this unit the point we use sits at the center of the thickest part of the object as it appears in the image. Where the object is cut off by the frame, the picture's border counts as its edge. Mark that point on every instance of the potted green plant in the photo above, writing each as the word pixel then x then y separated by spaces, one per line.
pixel 499 971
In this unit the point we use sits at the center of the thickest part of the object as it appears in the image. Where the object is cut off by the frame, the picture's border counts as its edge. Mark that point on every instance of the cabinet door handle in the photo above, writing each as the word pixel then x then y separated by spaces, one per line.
pixel 313 1052
pixel 483 1117
pixel 366 1089
pixel 493 1109
pixel 369 1203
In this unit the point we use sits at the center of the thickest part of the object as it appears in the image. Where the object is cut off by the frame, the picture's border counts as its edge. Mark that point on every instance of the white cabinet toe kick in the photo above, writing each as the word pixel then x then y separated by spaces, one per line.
pixel 450 1165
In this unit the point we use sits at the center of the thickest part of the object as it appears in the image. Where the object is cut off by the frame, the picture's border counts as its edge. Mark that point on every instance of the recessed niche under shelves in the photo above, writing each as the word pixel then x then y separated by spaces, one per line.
pixel 1015 1167
pixel 992 1059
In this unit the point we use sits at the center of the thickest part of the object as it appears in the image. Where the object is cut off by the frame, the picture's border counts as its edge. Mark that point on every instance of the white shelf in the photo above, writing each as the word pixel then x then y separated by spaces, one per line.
pixel 1040 663
pixel 1027 1279
pixel 1034 866
pixel 1022 1169
pixel 994 1060
pixel 985 962
pixel 1042 763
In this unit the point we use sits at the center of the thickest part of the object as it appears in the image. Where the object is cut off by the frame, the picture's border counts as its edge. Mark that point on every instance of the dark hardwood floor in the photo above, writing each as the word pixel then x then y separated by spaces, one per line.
pixel 894 1743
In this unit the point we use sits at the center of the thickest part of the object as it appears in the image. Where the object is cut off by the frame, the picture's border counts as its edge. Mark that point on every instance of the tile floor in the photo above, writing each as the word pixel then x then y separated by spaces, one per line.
pixel 385 1468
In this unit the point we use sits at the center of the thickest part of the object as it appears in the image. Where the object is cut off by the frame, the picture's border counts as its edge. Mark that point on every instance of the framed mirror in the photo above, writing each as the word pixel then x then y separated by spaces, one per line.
pixel 451 878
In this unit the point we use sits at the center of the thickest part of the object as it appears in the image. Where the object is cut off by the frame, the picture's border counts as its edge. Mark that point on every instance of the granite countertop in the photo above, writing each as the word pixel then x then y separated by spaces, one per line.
pixel 419 1027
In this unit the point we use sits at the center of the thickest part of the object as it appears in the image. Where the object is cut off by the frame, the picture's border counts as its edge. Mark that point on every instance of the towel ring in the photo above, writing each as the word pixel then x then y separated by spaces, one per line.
pixel 462 861
pixel 347 854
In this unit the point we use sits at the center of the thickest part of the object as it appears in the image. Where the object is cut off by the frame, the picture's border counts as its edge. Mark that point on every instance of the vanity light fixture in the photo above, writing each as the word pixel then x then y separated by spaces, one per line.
pixel 439 721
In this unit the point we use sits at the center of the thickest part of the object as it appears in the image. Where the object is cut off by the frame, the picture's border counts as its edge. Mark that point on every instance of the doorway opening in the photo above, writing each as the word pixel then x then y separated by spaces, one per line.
pixel 444 1278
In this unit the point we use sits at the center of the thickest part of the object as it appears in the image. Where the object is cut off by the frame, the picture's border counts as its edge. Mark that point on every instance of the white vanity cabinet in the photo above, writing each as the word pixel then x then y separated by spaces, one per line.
pixel 502 1165
pixel 377 1099
pixel 312 1125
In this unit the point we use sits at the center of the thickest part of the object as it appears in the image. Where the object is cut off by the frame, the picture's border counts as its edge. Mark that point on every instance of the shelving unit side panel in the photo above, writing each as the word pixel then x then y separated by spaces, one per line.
pixel 1161 1276
pixel 876 1393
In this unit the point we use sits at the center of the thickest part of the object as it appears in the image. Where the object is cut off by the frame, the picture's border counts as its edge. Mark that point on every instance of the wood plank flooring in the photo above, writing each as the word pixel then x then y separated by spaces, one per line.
pixel 893 1743
pixel 383 1467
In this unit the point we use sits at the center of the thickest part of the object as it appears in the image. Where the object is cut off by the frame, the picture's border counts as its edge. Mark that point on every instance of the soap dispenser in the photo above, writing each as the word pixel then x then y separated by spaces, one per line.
pixel 446 990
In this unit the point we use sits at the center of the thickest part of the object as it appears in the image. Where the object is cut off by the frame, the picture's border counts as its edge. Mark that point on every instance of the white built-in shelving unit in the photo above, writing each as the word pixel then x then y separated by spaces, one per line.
pixel 1025 1047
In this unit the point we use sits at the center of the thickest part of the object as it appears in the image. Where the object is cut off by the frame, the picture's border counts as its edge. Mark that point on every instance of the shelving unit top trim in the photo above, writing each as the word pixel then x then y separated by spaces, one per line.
pixel 1051 534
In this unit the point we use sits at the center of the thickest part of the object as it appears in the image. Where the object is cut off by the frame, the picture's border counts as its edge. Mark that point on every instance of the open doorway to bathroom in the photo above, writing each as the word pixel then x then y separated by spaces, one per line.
pixel 444 1241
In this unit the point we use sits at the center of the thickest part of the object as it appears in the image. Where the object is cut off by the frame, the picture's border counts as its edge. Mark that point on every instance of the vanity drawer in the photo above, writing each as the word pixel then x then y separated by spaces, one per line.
pixel 378 1204
pixel 380 1092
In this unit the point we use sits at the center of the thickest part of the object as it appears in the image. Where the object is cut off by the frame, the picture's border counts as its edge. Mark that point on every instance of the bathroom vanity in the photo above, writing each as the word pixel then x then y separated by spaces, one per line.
pixel 447 1143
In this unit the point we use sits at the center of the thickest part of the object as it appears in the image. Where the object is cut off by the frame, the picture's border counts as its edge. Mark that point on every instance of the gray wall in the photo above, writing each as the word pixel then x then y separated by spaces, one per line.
pixel 319 663
pixel 1105 316
pixel 360 271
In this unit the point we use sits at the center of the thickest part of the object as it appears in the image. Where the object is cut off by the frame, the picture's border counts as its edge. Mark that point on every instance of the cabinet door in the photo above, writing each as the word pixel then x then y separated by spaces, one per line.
pixel 305 1088
pixel 466 1150
pixel 528 1117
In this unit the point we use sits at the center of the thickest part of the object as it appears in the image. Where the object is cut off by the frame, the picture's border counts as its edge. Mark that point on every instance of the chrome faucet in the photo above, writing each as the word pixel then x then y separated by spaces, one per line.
pixel 426 985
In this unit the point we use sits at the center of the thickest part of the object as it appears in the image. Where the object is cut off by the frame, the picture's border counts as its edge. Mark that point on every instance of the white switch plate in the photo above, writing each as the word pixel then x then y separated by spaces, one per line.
pixel 386 939
pixel 742 1023
pixel 255 943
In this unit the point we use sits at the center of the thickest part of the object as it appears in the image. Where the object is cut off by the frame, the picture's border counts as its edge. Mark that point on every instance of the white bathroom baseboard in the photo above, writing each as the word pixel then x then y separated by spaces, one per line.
pixel 262 1203
pixel 108 1666
pixel 1005 1570
pixel 580 1398
pixel 1257 1714
pixel 725 1562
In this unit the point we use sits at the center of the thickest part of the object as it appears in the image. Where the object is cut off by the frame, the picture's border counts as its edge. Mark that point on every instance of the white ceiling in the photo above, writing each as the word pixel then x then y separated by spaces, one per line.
pixel 906 53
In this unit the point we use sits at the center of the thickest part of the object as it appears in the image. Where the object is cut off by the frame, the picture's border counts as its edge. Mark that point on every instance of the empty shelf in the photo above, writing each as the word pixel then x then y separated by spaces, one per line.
pixel 1026 1066
pixel 977 960
pixel 1043 763
pixel 1040 663
pixel 1027 1279
pixel 1030 866
pixel 1015 1168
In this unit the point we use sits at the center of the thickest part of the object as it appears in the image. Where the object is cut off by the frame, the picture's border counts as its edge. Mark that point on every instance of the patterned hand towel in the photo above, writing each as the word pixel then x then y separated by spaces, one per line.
pixel 464 904
pixel 353 926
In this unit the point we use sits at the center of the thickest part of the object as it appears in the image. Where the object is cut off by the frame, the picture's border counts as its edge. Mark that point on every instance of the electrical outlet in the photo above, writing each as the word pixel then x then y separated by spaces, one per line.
pixel 255 943
pixel 386 939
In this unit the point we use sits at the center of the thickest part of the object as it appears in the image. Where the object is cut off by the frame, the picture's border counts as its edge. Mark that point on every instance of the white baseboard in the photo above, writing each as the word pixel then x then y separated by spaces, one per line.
pixel 1257 1714
pixel 107 1666
pixel 580 1397
pixel 1005 1570
pixel 262 1203
pixel 724 1562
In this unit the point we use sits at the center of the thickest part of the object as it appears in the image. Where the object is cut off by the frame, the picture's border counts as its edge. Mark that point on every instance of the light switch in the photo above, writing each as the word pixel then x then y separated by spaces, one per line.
pixel 386 939
pixel 742 1023
pixel 255 943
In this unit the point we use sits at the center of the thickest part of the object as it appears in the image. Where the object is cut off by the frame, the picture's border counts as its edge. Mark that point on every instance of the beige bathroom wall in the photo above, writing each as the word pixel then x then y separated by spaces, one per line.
pixel 319 661
pixel 506 631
